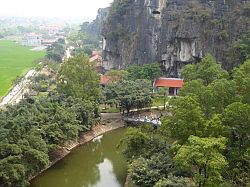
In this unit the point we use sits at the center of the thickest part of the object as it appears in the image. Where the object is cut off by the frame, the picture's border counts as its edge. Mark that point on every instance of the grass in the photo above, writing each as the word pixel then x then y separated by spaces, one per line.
pixel 15 60
pixel 111 110
pixel 159 100
pixel 108 109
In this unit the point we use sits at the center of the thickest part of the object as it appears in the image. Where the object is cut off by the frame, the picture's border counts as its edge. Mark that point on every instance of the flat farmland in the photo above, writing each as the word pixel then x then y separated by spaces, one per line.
pixel 15 60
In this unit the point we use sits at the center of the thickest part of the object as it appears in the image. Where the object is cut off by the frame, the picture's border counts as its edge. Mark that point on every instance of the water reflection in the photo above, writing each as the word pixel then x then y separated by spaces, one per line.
pixel 95 164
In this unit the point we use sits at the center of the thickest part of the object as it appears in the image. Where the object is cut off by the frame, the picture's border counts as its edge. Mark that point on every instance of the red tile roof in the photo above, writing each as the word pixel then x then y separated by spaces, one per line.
pixel 104 80
pixel 95 53
pixel 95 58
pixel 169 82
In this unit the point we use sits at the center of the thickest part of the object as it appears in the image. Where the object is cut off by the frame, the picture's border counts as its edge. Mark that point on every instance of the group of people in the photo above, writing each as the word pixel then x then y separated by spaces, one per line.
pixel 152 120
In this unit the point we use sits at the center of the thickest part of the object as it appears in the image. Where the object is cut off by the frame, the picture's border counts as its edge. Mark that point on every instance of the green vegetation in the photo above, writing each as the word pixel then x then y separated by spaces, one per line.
pixel 203 156
pixel 148 71
pixel 132 88
pixel 205 141
pixel 77 78
pixel 110 110
pixel 56 51
pixel 15 61
pixel 117 74
pixel 119 8
pixel 238 53
pixel 159 100
pixel 208 71
pixel 33 132
pixel 129 94
pixel 84 39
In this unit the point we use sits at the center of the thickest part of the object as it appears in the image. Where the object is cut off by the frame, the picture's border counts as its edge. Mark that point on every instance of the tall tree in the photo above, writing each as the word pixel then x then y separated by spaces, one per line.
pixel 77 78
pixel 148 71
pixel 241 76
pixel 56 51
pixel 130 94
pixel 204 157
pixel 236 118
pixel 187 119
pixel 208 71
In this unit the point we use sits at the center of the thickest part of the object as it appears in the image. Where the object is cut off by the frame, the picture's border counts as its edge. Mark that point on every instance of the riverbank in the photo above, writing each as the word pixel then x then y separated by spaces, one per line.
pixel 109 122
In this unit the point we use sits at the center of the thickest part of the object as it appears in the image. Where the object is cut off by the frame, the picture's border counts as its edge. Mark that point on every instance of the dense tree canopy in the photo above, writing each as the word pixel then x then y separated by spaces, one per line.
pixel 129 94
pixel 147 71
pixel 187 119
pixel 208 71
pixel 77 78
pixel 56 51
pixel 32 132
pixel 204 157
pixel 206 136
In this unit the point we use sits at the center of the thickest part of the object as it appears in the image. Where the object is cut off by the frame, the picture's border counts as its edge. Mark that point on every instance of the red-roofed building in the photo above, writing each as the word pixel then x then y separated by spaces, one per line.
pixel 104 80
pixel 96 59
pixel 173 84
pixel 95 53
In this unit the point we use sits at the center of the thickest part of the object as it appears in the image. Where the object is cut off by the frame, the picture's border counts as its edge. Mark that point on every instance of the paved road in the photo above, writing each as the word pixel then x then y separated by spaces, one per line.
pixel 17 93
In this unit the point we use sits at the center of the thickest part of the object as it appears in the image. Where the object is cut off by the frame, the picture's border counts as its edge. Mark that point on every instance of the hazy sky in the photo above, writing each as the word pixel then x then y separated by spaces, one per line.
pixel 85 9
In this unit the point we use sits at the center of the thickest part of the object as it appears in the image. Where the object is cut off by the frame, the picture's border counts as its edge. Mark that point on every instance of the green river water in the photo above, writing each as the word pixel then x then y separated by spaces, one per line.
pixel 97 163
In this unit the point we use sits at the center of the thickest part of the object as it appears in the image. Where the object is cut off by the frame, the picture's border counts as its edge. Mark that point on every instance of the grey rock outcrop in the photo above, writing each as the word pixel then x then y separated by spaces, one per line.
pixel 172 32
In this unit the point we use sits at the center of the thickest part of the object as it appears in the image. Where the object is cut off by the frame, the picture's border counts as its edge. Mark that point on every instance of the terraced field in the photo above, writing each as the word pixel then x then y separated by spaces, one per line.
pixel 15 60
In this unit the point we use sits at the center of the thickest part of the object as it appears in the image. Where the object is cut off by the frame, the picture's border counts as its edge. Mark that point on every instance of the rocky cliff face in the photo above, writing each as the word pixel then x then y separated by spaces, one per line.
pixel 172 32
pixel 96 26
pixel 93 29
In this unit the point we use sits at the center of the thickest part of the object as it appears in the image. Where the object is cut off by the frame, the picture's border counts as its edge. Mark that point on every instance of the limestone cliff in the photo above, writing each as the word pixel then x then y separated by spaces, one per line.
pixel 92 30
pixel 172 32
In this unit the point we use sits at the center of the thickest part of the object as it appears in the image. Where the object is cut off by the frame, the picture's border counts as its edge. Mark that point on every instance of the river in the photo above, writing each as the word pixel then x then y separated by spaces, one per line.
pixel 97 163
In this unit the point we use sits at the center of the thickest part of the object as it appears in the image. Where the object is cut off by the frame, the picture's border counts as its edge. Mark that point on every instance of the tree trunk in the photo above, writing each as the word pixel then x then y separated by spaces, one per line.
pixel 165 101
pixel 205 175
pixel 200 172
pixel 127 111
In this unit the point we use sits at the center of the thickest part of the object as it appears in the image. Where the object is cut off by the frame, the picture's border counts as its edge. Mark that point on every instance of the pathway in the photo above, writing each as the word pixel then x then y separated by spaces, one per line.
pixel 17 93
pixel 138 121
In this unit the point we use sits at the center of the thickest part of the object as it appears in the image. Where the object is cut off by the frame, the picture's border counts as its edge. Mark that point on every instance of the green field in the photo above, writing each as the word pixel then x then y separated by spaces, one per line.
pixel 14 60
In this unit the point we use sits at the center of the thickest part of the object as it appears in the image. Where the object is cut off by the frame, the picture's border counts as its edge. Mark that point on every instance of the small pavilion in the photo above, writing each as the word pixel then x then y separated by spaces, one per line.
pixel 173 85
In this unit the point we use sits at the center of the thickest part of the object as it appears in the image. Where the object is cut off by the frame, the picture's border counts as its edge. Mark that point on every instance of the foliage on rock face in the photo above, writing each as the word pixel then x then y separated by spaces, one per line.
pixel 129 94
pixel 78 79
pixel 119 8
pixel 238 53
